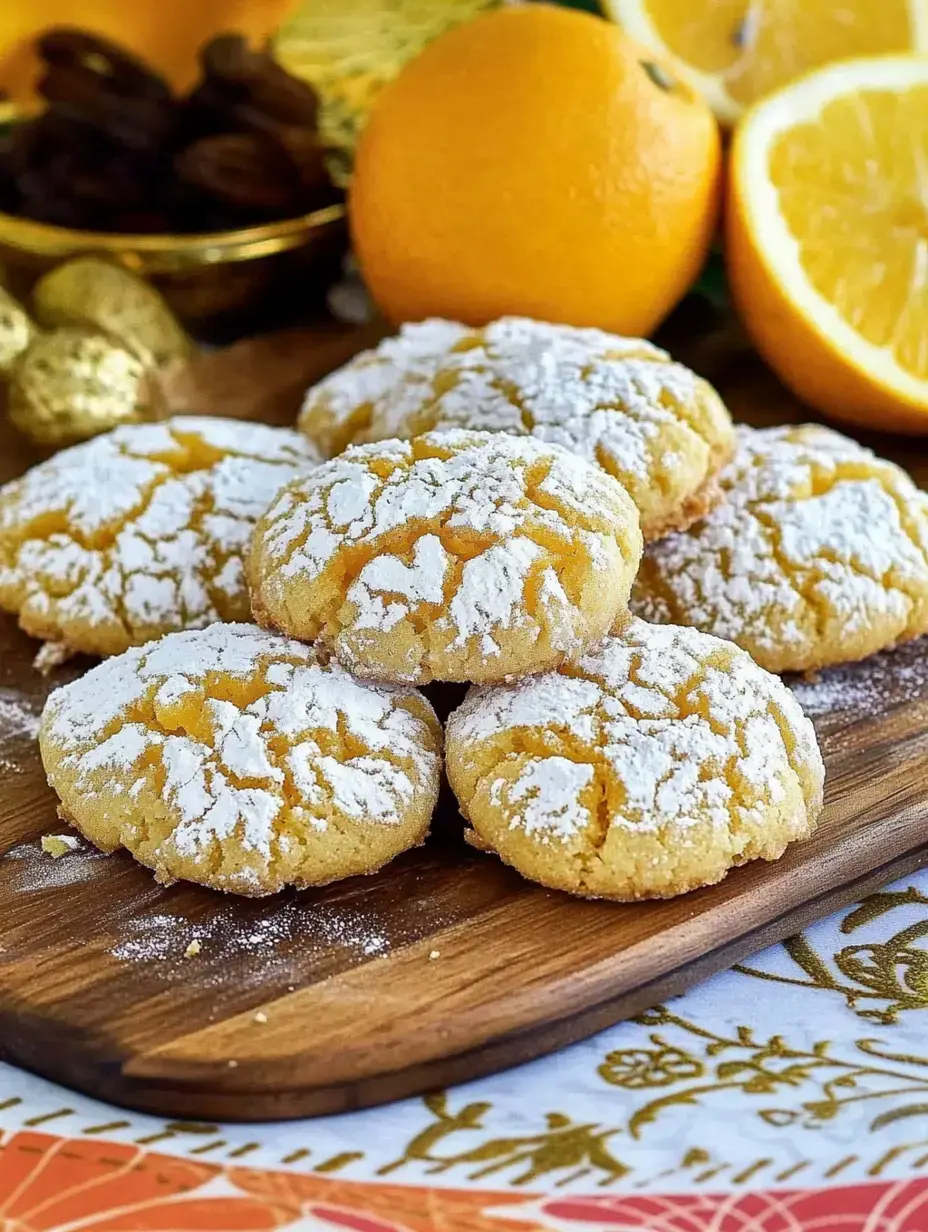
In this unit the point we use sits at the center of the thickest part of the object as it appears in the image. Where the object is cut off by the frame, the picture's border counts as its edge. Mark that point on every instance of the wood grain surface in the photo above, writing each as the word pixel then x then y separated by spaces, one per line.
pixel 443 967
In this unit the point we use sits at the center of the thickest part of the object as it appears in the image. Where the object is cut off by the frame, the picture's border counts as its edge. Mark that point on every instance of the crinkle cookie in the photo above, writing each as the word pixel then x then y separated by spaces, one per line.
pixel 818 556
pixel 141 531
pixel 662 431
pixel 659 761
pixel 456 556
pixel 233 757
pixel 340 406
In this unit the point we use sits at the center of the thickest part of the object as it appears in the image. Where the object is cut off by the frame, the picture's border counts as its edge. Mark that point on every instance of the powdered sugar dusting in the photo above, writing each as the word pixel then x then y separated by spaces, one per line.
pixel 599 395
pixel 547 792
pixel 619 402
pixel 112 736
pixel 332 408
pixel 162 936
pixel 19 724
pixel 519 508
pixel 677 726
pixel 263 944
pixel 820 551
pixel 141 530
pixel 859 690
pixel 31 870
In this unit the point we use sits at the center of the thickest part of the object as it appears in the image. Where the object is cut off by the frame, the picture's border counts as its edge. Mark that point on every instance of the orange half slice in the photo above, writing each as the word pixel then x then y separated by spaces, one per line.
pixel 736 52
pixel 827 238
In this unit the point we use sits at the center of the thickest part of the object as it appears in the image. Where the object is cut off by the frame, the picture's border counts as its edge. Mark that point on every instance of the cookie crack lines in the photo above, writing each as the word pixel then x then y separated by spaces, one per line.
pixel 818 555
pixel 238 759
pixel 617 401
pixel 458 556
pixel 140 531
pixel 717 765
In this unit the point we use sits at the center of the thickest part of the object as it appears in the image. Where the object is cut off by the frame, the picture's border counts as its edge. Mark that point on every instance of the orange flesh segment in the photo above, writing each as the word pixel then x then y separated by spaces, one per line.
pixel 853 192
pixel 758 46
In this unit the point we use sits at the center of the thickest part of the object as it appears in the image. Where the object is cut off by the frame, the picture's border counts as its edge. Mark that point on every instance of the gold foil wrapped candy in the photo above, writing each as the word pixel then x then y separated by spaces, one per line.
pixel 16 331
pixel 72 384
pixel 105 297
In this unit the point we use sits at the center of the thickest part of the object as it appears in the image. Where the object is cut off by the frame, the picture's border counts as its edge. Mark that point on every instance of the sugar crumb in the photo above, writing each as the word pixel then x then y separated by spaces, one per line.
pixel 57 845
pixel 192 949
pixel 260 1017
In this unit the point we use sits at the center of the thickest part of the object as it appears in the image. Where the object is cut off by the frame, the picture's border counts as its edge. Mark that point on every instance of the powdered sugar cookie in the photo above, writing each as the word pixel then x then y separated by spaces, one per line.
pixel 456 556
pixel 141 531
pixel 659 429
pixel 234 758
pixel 650 767
pixel 818 556
pixel 339 407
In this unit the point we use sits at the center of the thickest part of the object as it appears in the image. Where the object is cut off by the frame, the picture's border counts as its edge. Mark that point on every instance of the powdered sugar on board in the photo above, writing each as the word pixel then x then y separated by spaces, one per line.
pixel 224 935
pixel 19 727
pixel 257 944
pixel 32 870
pixel 150 525
pixel 860 690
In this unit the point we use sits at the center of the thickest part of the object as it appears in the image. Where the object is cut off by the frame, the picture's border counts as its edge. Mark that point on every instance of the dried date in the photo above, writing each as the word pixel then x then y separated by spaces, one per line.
pixel 71 47
pixel 115 150
pixel 240 169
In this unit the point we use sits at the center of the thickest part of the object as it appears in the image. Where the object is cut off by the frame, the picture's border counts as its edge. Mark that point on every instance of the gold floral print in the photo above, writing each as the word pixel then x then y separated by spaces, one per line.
pixel 767 1067
pixel 638 1068
pixel 564 1146
pixel 879 980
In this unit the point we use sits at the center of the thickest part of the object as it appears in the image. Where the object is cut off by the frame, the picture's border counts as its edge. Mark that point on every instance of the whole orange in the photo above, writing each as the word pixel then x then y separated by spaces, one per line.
pixel 535 161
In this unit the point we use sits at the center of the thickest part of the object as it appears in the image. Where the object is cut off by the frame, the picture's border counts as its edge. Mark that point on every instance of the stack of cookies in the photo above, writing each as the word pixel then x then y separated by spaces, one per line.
pixel 565 519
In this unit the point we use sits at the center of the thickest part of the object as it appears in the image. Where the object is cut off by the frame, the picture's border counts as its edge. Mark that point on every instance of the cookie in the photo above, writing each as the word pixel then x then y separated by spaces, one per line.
pixel 456 556
pixel 339 407
pixel 818 555
pixel 652 766
pixel 654 425
pixel 140 532
pixel 234 758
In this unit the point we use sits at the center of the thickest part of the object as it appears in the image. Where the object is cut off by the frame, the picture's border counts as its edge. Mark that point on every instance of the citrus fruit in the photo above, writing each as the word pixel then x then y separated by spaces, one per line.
pixel 735 52
pixel 535 162
pixel 349 49
pixel 827 238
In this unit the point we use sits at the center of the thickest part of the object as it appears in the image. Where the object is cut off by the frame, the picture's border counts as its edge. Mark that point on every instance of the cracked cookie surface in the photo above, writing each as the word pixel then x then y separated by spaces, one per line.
pixel 455 556
pixel 233 757
pixel 339 407
pixel 649 767
pixel 141 531
pixel 818 555
pixel 662 431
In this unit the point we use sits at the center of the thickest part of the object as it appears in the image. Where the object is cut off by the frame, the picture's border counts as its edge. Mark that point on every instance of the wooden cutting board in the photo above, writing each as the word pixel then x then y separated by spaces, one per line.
pixel 443 967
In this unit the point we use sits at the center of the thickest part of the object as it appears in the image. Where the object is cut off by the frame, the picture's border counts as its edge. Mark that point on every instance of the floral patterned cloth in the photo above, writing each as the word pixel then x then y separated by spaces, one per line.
pixel 788 1094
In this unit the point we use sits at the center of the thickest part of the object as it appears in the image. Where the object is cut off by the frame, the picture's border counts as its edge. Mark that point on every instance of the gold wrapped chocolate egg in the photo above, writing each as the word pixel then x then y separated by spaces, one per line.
pixel 72 384
pixel 16 331
pixel 106 297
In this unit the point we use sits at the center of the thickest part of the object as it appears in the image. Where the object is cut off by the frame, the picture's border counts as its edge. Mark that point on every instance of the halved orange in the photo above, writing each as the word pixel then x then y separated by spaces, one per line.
pixel 827 238
pixel 735 52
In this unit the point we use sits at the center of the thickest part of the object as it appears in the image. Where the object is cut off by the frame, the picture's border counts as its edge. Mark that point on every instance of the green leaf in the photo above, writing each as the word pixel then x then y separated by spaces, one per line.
pixel 712 283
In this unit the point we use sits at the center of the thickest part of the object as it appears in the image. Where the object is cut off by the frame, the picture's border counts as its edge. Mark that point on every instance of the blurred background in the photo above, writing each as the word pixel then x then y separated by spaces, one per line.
pixel 592 169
